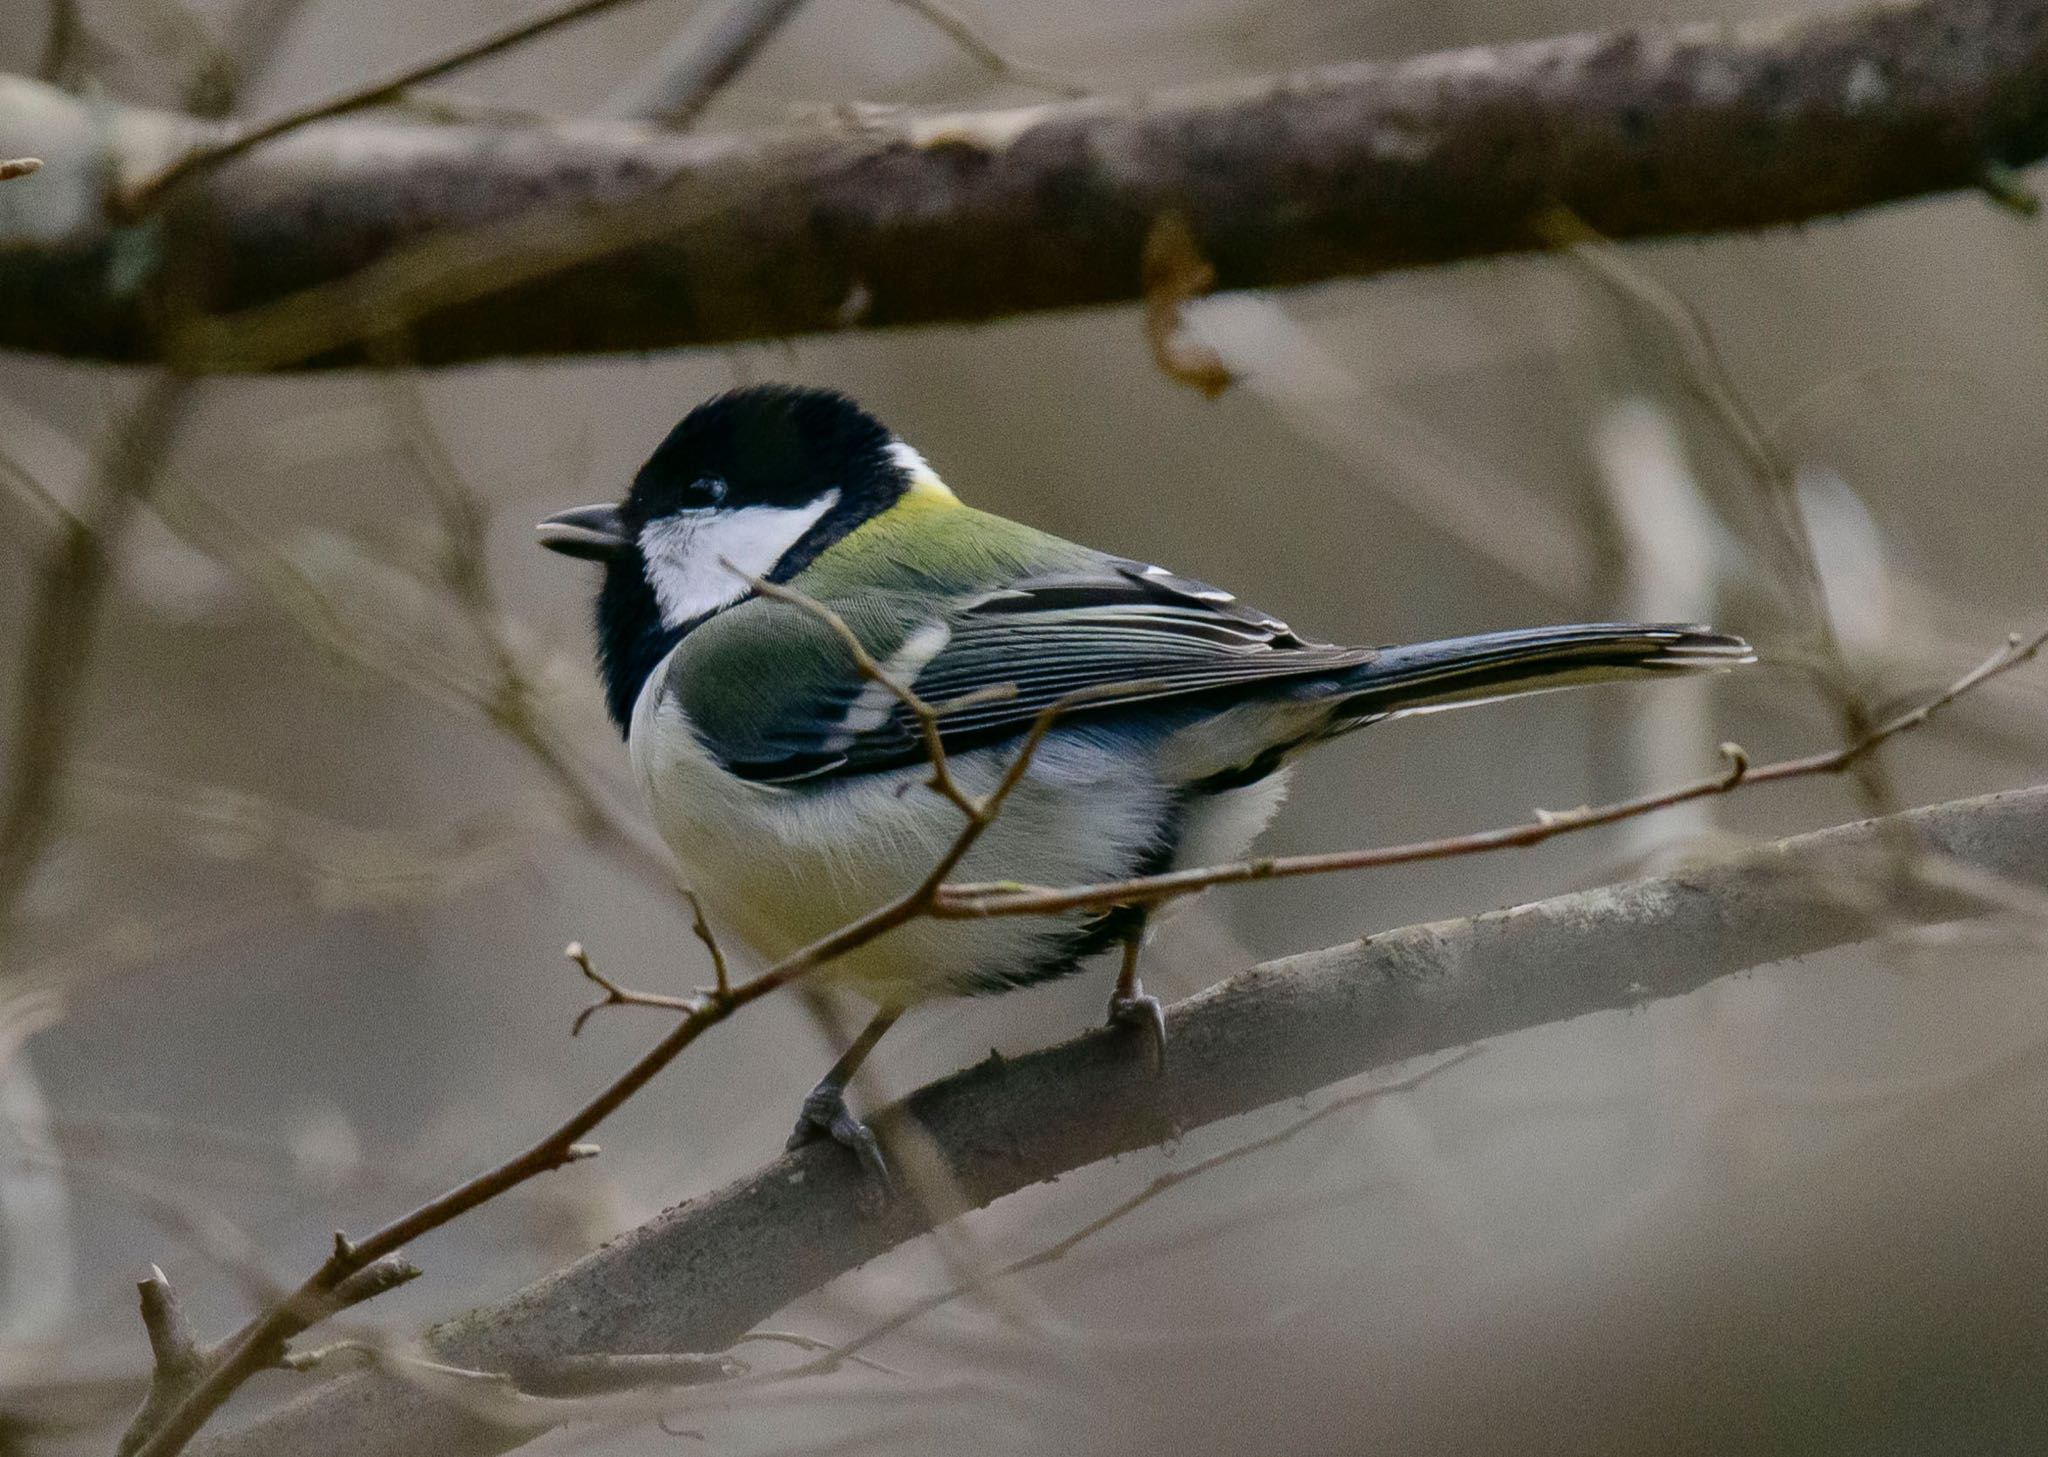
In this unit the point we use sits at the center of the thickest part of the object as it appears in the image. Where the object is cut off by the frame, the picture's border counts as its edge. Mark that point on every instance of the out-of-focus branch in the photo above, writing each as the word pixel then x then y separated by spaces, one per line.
pixel 233 141
pixel 983 52
pixel 1274 1032
pixel 493 241
pixel 71 590
pixel 716 44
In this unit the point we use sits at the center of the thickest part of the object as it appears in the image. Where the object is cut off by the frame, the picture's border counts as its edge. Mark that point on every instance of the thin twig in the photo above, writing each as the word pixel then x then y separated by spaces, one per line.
pixel 815 1345
pixel 924 713
pixel 66 28
pixel 717 42
pixel 959 30
pixel 150 190
pixel 75 579
pixel 183 1365
pixel 996 898
pixel 1712 383
pixel 618 996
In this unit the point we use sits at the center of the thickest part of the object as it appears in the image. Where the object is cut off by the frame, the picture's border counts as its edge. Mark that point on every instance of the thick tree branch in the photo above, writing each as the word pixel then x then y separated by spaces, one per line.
pixel 699 1276
pixel 497 241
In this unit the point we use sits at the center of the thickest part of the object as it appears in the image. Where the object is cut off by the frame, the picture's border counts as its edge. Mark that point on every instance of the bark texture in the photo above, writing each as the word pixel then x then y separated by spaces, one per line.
pixel 482 242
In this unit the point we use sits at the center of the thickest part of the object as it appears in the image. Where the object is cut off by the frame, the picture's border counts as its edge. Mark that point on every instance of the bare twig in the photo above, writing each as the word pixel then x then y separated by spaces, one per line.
pixel 815 1346
pixel 183 1364
pixel 714 46
pixel 1000 899
pixel 178 1361
pixel 701 929
pixel 961 31
pixel 73 588
pixel 1712 383
pixel 618 996
pixel 146 193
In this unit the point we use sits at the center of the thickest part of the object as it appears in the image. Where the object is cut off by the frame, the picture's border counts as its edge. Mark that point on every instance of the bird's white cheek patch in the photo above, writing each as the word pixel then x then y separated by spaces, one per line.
pixel 687 553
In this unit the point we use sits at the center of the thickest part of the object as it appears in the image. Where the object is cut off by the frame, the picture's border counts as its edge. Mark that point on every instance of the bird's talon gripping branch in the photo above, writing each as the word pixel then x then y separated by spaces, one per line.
pixel 825 1115
pixel 1130 1006
pixel 1144 1014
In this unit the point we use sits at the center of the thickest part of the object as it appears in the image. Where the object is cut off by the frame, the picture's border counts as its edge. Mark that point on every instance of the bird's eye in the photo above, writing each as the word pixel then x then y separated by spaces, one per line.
pixel 709 491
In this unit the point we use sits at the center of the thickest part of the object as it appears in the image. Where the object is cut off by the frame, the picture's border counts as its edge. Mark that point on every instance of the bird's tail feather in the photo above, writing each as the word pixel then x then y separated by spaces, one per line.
pixel 1458 671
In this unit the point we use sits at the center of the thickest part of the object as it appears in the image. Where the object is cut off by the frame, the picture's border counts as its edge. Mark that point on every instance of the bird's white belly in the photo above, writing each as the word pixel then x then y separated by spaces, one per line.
pixel 782 865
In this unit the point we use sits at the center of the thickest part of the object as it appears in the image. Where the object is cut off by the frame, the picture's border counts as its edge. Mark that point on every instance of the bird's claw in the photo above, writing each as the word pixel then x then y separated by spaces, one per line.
pixel 825 1115
pixel 1147 1017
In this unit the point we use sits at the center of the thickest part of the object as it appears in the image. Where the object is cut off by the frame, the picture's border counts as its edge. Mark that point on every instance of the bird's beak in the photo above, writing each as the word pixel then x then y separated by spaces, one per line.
pixel 594 533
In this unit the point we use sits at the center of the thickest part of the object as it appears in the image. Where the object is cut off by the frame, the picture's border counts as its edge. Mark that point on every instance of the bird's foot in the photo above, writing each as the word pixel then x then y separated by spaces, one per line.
pixel 1144 1015
pixel 825 1115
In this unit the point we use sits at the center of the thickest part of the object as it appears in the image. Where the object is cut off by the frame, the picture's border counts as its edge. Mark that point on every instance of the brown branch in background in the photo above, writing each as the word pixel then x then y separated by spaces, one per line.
pixel 967 902
pixel 492 242
pixel 20 167
pixel 1271 1033
pixel 71 594
pixel 61 43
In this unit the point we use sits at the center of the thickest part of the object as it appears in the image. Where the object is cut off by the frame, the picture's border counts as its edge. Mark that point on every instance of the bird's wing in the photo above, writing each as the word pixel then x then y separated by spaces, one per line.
pixel 773 692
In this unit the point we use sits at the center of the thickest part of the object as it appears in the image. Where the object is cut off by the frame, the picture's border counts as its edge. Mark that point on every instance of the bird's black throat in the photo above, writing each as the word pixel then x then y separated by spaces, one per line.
pixel 631 637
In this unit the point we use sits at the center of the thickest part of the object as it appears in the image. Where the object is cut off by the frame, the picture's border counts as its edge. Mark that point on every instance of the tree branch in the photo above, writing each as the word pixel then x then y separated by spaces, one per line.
pixel 493 241
pixel 699 1276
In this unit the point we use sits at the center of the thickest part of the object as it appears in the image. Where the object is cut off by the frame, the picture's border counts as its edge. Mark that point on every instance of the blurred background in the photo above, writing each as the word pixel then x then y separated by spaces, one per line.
pixel 294 959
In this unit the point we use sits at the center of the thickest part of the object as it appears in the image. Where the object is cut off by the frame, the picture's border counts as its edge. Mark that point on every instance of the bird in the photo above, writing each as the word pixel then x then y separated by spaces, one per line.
pixel 795 787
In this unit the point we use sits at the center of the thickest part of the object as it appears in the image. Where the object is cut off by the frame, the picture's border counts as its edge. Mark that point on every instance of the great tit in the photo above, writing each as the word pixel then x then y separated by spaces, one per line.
pixel 794 790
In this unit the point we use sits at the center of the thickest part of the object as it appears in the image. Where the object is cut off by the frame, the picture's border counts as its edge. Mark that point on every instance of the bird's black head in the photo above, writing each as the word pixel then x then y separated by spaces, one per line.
pixel 753 483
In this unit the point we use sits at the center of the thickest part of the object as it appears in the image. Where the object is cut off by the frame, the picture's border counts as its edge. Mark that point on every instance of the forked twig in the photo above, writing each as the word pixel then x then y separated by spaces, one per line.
pixel 255 1346
pixel 616 995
